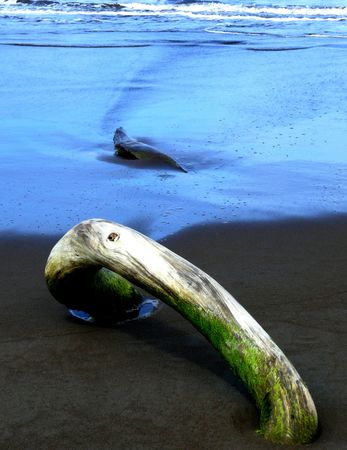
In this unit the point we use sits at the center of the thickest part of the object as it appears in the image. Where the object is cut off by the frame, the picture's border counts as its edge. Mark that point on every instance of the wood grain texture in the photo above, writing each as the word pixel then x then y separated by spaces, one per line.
pixel 287 411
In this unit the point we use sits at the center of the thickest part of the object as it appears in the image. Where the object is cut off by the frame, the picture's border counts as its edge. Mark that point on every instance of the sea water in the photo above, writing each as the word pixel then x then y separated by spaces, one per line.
pixel 248 96
pixel 309 22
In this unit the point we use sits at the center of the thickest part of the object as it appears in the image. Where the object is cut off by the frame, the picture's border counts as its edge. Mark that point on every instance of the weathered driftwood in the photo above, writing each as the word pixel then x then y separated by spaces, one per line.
pixel 287 411
pixel 129 148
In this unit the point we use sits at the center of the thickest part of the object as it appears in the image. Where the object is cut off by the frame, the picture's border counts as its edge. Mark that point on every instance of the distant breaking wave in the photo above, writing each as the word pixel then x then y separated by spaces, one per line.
pixel 205 11
pixel 247 20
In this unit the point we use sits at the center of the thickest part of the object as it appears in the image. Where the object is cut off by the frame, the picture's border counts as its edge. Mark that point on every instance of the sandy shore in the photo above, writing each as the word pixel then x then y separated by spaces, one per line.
pixel 258 119
pixel 157 384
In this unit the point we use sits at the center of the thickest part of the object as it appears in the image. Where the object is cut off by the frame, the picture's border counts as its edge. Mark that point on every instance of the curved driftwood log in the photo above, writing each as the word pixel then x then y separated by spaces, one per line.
pixel 287 411
pixel 129 148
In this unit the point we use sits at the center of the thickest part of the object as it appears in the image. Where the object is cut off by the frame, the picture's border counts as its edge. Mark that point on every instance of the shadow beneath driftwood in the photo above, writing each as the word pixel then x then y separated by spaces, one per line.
pixel 168 332
pixel 150 162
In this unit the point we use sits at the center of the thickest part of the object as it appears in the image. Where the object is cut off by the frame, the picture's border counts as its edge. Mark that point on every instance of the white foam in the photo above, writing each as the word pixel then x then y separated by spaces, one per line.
pixel 207 11
pixel 241 9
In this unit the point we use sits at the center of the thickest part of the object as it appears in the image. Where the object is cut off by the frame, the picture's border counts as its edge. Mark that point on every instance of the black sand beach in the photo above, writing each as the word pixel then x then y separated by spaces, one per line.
pixel 157 384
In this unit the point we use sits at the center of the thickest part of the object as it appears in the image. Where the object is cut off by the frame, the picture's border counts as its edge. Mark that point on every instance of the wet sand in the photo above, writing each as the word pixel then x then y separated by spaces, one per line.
pixel 157 384
pixel 254 149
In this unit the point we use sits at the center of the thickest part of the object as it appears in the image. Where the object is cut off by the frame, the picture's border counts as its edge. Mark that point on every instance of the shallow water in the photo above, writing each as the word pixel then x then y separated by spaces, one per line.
pixel 261 19
pixel 250 98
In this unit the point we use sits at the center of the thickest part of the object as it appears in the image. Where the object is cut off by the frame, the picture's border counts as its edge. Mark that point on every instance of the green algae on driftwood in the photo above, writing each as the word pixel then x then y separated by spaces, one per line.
pixel 287 412
pixel 100 292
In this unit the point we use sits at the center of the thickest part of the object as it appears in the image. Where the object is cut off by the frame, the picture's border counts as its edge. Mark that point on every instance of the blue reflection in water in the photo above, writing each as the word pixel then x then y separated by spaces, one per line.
pixel 145 310
pixel 81 315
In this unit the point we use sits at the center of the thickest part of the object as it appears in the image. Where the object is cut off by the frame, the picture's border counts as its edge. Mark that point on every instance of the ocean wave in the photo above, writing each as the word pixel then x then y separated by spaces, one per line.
pixel 200 10
pixel 186 14
pixel 249 21
pixel 243 9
